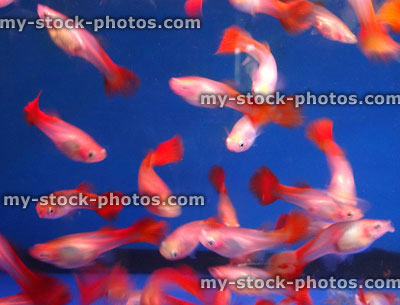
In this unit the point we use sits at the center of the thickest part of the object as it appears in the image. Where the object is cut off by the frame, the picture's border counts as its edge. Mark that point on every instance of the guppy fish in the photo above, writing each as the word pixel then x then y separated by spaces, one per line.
pixel 70 140
pixel 79 42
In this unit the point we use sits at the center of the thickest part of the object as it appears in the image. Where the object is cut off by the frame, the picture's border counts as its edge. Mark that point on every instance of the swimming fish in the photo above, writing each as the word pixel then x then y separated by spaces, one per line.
pixel 104 205
pixel 293 15
pixel 184 240
pixel 81 249
pixel 330 26
pixel 70 140
pixel 265 77
pixel 373 38
pixel 39 288
pixel 150 184
pixel 339 238
pixel 77 41
pixel 226 211
pixel 237 242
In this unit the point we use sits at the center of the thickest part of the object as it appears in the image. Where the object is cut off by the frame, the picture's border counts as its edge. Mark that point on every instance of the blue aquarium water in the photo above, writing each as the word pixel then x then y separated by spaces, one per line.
pixel 129 127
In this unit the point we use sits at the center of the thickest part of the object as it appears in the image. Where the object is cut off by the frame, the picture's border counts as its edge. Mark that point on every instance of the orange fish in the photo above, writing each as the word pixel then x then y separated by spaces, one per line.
pixel 150 184
pixel 108 209
pixel 70 140
pixel 79 42
pixel 81 249
pixel 40 289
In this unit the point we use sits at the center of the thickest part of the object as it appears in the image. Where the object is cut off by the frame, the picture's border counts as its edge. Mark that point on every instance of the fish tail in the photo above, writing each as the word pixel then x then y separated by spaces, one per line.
pixel 376 43
pixel 295 227
pixel 234 40
pixel 32 110
pixel 320 132
pixel 170 151
pixel 296 17
pixel 146 230
pixel 287 114
pixel 217 178
pixel 286 265
pixel 90 293
pixel 123 81
pixel 193 8
pixel 389 14
pixel 111 210
pixel 265 186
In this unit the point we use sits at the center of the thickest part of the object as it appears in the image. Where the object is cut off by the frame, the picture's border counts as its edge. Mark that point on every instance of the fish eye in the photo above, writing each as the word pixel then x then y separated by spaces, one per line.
pixel 174 254
pixel 241 144
pixel 350 214
pixel 377 226
pixel 211 242
pixel 90 155
pixel 51 210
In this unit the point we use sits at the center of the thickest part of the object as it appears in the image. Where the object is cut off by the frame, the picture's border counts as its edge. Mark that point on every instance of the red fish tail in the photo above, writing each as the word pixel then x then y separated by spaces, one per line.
pixel 295 227
pixel 146 230
pixel 287 114
pixel 91 292
pixel 32 110
pixel 186 278
pixel 193 8
pixel 321 133
pixel 217 178
pixel 170 151
pixel 47 290
pixel 123 81
pixel 296 18
pixel 113 206
pixel 265 186
pixel 234 39
pixel 286 265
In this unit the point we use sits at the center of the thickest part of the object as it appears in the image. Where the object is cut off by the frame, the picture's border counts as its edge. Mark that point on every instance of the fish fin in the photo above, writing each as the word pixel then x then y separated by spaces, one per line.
pixel 320 132
pixel 264 185
pixel 246 60
pixel 295 227
pixel 234 40
pixel 146 230
pixel 281 221
pixel 85 187
pixel 90 292
pixel 193 8
pixel 217 178
pixel 361 295
pixel 389 14
pixel 110 211
pixel 170 151
pixel 287 114
pixel 302 297
pixel 297 16
pixel 124 82
pixel 32 110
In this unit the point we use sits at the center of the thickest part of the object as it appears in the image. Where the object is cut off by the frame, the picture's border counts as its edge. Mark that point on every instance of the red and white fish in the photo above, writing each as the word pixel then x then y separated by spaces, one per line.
pixel 339 238
pixel 293 15
pixel 330 26
pixel 70 140
pixel 39 288
pixel 233 274
pixel 238 242
pixel 79 42
pixel 265 77
pixel 150 184
pixel 373 37
pixel 103 205
pixel 226 211
pixel 81 249
pixel 184 240
pixel 375 298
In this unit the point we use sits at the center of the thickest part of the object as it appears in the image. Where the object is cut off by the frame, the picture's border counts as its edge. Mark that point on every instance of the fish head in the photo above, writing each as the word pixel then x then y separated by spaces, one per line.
pixel 349 212
pixel 93 154
pixel 211 239
pixel 174 248
pixel 187 88
pixel 242 136
pixel 43 252
pixel 374 229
